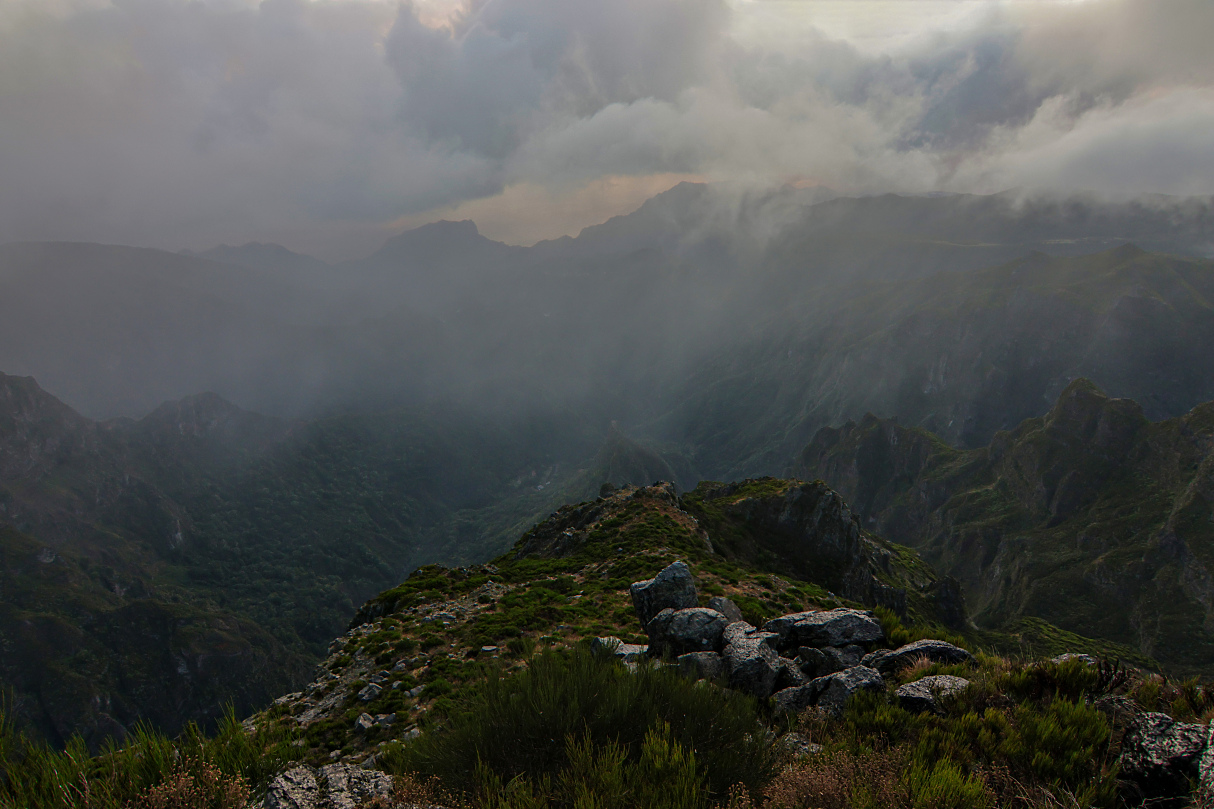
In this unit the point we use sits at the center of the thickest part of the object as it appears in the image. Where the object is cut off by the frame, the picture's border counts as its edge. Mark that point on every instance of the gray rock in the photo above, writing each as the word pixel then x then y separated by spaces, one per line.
pixel 937 651
pixel 837 627
pixel 370 692
pixel 677 632
pixel 416 691
pixel 725 607
pixel 349 787
pixel 795 700
pixel 380 677
pixel 789 675
pixel 628 652
pixel 385 719
pixel 403 665
pixel 1082 658
pixel 815 662
pixel 925 694
pixel 364 722
pixel 673 588
pixel 489 650
pixel 845 657
pixel 701 665
pixel 1161 755
pixel 751 662
pixel 796 745
pixel 835 689
pixel 296 788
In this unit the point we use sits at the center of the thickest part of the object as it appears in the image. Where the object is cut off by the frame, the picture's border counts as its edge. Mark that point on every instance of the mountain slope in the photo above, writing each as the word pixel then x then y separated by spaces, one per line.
pixel 1091 517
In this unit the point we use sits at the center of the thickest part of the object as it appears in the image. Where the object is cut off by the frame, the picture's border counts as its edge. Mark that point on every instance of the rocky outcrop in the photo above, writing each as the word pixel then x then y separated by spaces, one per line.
pixel 676 632
pixel 334 786
pixel 925 694
pixel 701 665
pixel 936 651
pixel 725 607
pixel 673 588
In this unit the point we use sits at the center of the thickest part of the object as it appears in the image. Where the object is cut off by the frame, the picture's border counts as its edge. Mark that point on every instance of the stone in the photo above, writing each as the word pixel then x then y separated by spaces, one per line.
pixel 628 652
pixel 380 677
pixel 815 663
pixel 296 788
pixel 385 719
pixel 1086 659
pixel 937 651
pixel 725 607
pixel 835 689
pixel 796 745
pixel 789 675
pixel 489 650
pixel 403 665
pixel 821 628
pixel 370 692
pixel 363 723
pixel 925 694
pixel 843 657
pixel 673 588
pixel 416 691
pixel 795 700
pixel 701 665
pixel 677 632
pixel 751 661
pixel 349 787
pixel 1161 755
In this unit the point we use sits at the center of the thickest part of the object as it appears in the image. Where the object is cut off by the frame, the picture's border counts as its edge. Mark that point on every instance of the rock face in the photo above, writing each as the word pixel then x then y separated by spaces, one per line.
pixel 673 588
pixel 937 651
pixel 751 661
pixel 838 627
pixel 834 690
pixel 335 786
pixel 925 694
pixel 677 632
pixel 1161 755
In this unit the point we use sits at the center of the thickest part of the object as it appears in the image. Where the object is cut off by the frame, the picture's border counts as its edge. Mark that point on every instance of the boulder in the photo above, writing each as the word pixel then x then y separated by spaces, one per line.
pixel 701 665
pixel 843 657
pixel 370 692
pixel 628 652
pixel 889 661
pixel 334 786
pixel 364 722
pixel 815 663
pixel 677 632
pixel 789 674
pixel 1161 755
pixel 794 700
pixel 725 607
pixel 673 588
pixel 1085 659
pixel 751 662
pixel 925 694
pixel 837 627
pixel 834 690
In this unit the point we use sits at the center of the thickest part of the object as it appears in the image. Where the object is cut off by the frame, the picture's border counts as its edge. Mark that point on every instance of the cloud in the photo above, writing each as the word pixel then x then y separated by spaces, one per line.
pixel 321 123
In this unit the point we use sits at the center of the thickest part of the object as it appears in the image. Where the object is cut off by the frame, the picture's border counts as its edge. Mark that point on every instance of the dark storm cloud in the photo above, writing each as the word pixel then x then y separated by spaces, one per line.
pixel 175 123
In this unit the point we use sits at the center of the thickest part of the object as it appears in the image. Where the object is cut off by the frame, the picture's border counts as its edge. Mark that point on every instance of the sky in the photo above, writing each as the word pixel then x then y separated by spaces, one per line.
pixel 328 125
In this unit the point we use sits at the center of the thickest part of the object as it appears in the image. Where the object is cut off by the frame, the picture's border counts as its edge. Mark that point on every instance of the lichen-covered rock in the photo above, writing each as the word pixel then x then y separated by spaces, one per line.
pixel 815 663
pixel 843 657
pixel 834 690
pixel 1085 659
pixel 821 628
pixel 701 665
pixel 363 723
pixel 296 788
pixel 751 661
pixel 925 694
pixel 726 607
pixel 370 692
pixel 889 661
pixel 673 588
pixel 1161 755
pixel 677 632
pixel 334 786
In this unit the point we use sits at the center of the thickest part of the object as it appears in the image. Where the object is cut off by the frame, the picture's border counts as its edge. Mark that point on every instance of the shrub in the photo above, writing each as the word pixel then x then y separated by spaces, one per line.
pixel 519 726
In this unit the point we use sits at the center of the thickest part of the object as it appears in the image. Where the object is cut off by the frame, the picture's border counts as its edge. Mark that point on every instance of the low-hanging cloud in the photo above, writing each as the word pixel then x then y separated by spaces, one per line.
pixel 188 123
